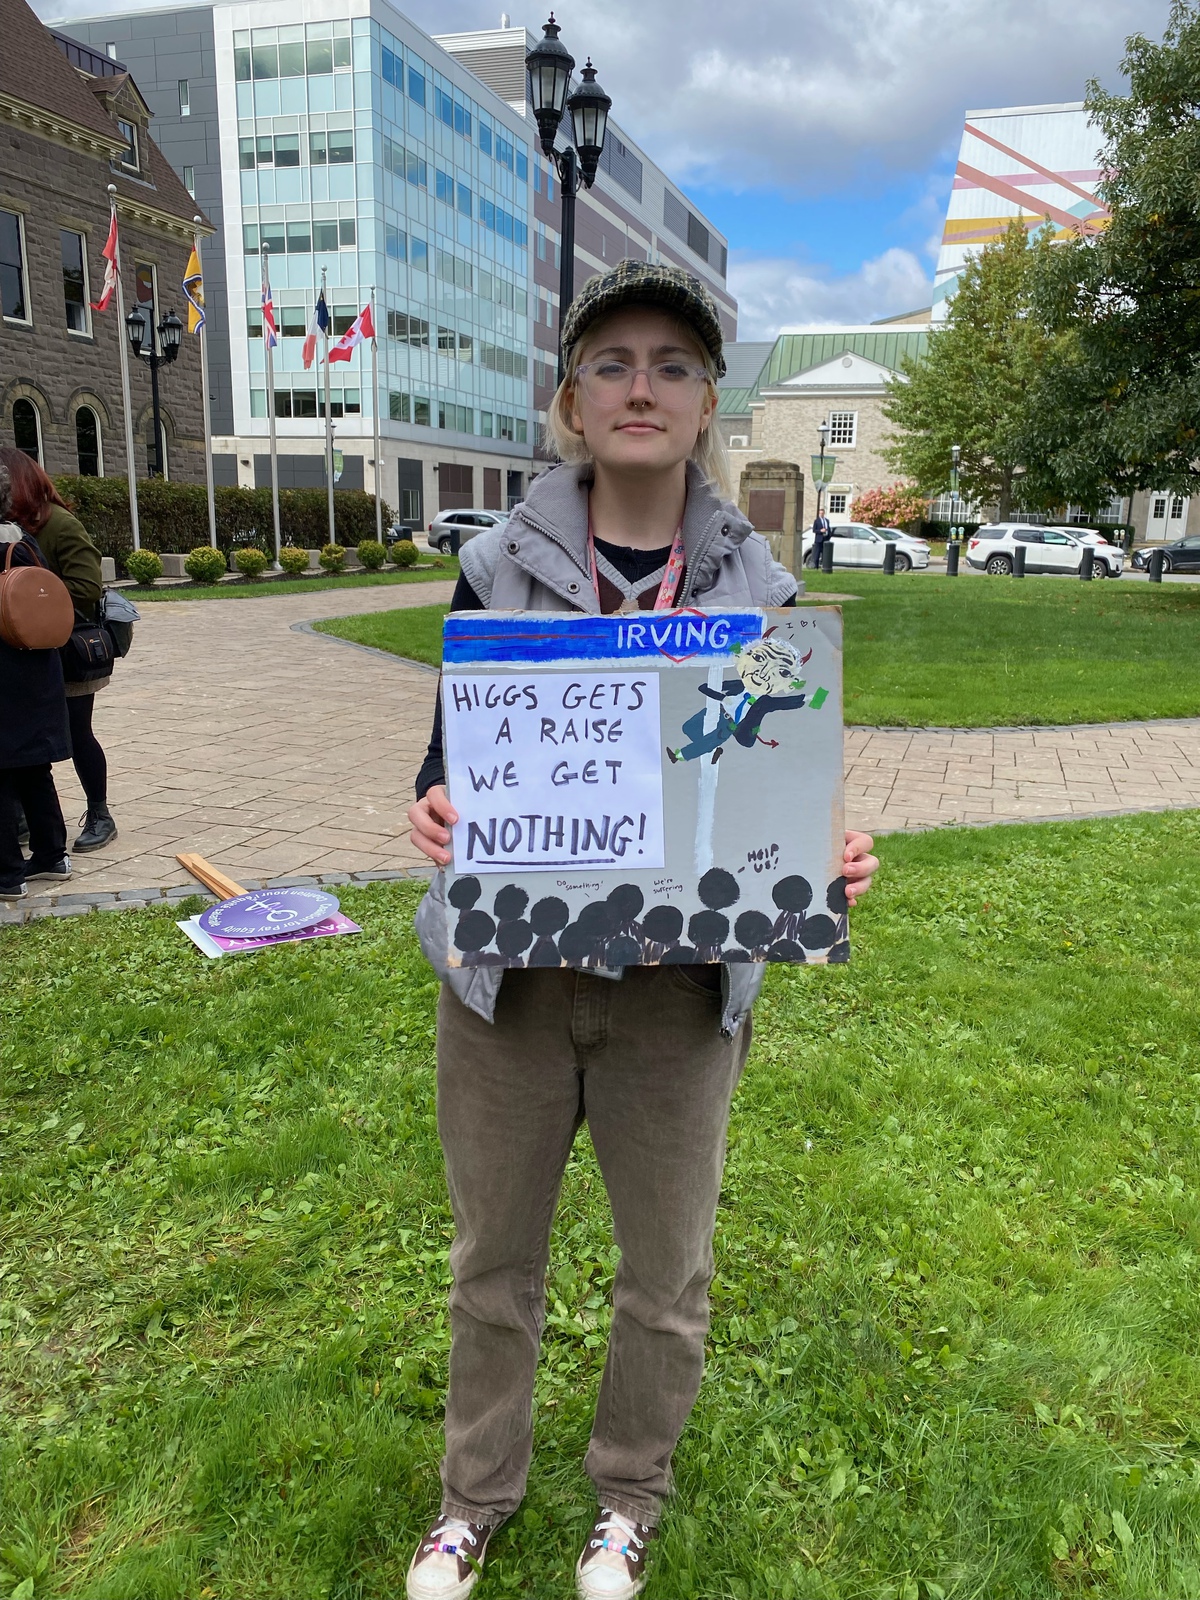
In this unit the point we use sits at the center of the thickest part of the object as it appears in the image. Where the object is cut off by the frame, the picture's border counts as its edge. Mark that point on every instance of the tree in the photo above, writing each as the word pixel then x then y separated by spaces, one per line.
pixel 971 386
pixel 1119 406
pixel 892 507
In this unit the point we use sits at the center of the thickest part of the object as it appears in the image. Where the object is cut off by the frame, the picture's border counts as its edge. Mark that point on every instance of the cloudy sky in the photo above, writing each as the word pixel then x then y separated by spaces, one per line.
pixel 820 138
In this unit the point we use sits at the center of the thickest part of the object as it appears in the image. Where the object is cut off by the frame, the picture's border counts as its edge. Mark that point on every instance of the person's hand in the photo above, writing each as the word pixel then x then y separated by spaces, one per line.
pixel 859 866
pixel 434 816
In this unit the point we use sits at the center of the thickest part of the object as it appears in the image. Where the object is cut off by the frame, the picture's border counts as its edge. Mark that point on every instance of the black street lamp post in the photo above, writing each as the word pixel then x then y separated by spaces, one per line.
pixel 158 352
pixel 550 65
pixel 823 430
pixel 952 543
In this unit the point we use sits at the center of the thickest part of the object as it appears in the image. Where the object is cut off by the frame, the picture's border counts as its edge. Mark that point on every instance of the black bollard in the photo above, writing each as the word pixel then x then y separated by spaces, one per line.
pixel 1086 563
pixel 1156 566
pixel 1019 561
pixel 889 558
pixel 952 559
pixel 455 540
pixel 827 556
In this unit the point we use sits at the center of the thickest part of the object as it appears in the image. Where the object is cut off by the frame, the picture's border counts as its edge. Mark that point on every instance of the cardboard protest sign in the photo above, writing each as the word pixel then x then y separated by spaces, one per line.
pixel 645 788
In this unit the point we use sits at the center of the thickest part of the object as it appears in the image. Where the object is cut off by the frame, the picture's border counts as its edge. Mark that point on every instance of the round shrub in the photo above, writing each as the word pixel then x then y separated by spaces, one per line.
pixel 372 554
pixel 143 565
pixel 332 557
pixel 404 553
pixel 293 560
pixel 204 564
pixel 250 562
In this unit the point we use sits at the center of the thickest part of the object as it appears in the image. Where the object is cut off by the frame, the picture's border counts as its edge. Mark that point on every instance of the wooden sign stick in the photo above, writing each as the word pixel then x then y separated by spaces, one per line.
pixel 224 888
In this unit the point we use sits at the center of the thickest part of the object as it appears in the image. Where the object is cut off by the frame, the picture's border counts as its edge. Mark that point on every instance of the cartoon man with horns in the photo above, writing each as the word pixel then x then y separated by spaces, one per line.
pixel 767 669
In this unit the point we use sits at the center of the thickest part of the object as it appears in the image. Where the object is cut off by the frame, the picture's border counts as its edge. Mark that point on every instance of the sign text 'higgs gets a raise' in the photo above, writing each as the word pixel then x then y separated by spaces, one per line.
pixel 554 770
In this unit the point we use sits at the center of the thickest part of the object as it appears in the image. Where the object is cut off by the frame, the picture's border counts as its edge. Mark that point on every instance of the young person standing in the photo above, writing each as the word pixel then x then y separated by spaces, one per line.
pixel 633 518
pixel 70 552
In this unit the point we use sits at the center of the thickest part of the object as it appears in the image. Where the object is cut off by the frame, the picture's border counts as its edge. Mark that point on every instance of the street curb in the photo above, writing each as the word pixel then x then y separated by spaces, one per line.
pixel 352 644
pixel 16 912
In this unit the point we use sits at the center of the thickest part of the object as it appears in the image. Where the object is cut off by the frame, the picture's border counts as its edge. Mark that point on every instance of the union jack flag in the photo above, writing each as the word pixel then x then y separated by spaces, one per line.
pixel 270 332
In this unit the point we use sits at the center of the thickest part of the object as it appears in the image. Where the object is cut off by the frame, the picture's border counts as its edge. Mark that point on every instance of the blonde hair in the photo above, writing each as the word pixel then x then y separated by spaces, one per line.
pixel 708 452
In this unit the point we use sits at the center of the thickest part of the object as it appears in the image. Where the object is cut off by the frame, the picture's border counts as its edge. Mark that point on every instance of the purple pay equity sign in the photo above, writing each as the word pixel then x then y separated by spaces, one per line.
pixel 268 911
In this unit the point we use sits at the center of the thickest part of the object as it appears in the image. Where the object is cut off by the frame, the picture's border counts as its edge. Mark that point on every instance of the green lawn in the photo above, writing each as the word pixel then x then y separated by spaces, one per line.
pixel 969 652
pixel 250 589
pixel 956 1314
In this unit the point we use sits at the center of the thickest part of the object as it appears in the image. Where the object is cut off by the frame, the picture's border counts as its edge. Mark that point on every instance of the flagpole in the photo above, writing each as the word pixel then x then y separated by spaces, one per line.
pixel 328 418
pixel 130 468
pixel 375 417
pixel 270 353
pixel 202 330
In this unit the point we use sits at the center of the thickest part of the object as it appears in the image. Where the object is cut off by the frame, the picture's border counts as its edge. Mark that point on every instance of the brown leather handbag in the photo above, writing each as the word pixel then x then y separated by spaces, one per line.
pixel 36 610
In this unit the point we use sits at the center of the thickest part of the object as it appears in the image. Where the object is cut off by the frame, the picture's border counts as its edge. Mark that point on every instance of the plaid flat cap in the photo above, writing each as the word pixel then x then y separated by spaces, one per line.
pixel 644 283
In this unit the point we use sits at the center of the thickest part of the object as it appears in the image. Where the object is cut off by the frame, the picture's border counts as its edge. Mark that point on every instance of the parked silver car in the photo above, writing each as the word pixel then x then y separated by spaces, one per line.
pixel 468 523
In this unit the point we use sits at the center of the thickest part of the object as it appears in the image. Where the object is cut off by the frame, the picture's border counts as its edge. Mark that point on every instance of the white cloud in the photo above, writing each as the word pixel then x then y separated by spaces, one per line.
pixel 775 295
pixel 805 96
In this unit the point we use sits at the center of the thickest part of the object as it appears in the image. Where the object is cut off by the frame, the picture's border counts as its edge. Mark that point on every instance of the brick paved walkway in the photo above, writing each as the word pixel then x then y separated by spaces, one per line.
pixel 276 752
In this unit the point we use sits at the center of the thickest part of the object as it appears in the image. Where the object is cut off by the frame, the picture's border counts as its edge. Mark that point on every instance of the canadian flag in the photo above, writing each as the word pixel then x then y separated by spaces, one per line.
pixel 110 270
pixel 363 327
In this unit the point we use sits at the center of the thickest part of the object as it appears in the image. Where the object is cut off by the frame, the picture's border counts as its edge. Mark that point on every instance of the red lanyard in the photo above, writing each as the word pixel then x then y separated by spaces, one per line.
pixel 671 578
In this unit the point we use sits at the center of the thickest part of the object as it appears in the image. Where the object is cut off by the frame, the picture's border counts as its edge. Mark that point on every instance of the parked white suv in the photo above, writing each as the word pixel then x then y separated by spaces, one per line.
pixel 857 545
pixel 468 523
pixel 1047 550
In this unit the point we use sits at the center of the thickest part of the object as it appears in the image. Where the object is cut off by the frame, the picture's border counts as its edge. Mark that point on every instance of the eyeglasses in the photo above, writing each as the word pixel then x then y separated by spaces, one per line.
pixel 674 384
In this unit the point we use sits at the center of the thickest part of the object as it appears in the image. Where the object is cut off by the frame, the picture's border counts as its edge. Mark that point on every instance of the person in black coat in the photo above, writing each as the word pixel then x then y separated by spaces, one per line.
pixel 33 734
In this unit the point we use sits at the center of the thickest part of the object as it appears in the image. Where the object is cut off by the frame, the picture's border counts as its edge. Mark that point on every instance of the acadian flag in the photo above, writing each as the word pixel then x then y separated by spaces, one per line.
pixel 270 332
pixel 110 269
pixel 363 327
pixel 320 324
pixel 193 290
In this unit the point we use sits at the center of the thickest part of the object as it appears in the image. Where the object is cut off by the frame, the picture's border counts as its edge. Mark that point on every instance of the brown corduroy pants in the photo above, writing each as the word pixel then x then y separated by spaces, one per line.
pixel 643 1062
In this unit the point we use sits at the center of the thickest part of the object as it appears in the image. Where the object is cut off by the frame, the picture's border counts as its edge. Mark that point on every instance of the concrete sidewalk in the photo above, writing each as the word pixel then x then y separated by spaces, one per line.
pixel 278 752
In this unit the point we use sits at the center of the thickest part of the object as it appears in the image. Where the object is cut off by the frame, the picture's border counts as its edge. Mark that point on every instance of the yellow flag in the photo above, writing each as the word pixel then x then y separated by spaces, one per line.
pixel 193 289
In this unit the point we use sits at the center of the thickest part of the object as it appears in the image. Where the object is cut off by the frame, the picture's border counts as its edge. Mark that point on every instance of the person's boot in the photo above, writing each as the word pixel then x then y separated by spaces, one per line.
pixel 98 828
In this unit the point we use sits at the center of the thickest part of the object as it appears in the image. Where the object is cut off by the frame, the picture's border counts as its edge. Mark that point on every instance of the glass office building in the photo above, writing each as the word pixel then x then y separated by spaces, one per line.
pixel 340 137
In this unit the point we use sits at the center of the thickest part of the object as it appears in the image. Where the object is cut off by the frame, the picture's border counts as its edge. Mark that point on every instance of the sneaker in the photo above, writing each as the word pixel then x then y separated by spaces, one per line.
pixel 97 829
pixel 13 891
pixel 613 1563
pixel 449 1560
pixel 58 873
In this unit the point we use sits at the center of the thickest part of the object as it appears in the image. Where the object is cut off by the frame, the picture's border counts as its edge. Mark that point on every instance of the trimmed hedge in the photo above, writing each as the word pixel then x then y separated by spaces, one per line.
pixel 174 516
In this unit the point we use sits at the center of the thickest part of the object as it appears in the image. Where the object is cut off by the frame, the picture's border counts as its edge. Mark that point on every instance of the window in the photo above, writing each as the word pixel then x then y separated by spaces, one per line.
pixel 416 87
pixel 87 443
pixel 1176 507
pixel 185 98
pixel 419 254
pixel 13 303
pixel 458 419
pixel 110 50
pixel 291 57
pixel 27 428
pixel 447 340
pixel 395 242
pixel 485 424
pixel 189 180
pixel 410 505
pixel 485 139
pixel 1159 509
pixel 420 411
pixel 836 504
pixel 445 187
pixel 292 321
pixel 464 199
pixel 343 318
pixel 74 274
pixel 410 330
pixel 287 149
pixel 129 156
pixel 264 61
pixel 843 426
pixel 299 239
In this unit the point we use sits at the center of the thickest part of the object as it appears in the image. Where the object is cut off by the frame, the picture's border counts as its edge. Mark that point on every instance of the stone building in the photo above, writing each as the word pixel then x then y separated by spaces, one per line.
pixel 72 122
pixel 775 397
